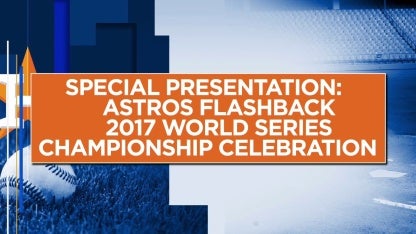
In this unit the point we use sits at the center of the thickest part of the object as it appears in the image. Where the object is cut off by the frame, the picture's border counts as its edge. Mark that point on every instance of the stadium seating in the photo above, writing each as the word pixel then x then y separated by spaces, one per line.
pixel 351 36
pixel 405 22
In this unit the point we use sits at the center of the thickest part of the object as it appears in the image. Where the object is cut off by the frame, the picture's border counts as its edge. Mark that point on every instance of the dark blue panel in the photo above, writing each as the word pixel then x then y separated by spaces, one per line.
pixel 86 14
pixel 151 52
pixel 115 50
pixel 3 61
pixel 61 36
pixel 13 27
pixel 41 34
pixel 2 109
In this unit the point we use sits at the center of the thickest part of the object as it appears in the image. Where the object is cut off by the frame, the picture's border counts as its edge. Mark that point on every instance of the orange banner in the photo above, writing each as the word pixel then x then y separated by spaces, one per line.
pixel 209 118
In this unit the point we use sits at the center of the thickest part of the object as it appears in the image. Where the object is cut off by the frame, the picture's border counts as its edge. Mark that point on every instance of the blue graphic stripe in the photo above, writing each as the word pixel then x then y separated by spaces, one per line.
pixel 21 137
pixel 61 36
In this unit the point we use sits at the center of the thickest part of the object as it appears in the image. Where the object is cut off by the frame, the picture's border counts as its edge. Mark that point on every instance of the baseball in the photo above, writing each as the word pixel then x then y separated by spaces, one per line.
pixel 41 183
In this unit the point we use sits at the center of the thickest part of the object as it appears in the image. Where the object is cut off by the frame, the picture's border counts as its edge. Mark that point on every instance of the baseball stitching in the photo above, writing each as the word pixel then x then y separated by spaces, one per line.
pixel 32 190
pixel 28 188
pixel 61 173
